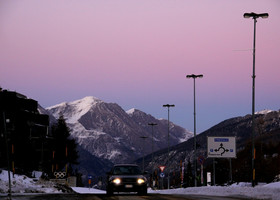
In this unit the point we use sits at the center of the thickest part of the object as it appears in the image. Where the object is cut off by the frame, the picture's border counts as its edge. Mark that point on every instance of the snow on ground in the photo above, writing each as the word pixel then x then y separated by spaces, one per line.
pixel 22 184
pixel 267 191
pixel 88 190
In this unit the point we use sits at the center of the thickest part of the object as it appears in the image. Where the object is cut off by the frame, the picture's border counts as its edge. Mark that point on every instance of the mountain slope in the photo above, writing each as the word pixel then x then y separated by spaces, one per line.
pixel 106 131
pixel 240 127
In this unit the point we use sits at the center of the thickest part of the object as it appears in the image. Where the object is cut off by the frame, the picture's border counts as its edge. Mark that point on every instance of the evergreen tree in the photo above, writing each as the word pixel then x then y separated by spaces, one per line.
pixel 64 148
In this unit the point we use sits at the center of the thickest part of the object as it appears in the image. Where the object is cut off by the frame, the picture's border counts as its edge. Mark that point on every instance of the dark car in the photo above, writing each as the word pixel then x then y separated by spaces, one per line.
pixel 126 178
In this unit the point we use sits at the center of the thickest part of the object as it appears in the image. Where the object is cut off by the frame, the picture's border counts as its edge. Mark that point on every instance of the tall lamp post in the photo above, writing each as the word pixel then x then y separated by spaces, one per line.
pixel 152 125
pixel 168 106
pixel 143 137
pixel 7 151
pixel 194 115
pixel 254 16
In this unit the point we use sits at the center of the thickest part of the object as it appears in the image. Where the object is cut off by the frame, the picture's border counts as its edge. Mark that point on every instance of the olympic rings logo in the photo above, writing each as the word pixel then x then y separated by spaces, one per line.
pixel 59 174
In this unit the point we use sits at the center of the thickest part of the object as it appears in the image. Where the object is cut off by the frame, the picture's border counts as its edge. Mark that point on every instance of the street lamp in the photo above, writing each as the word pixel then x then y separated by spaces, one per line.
pixel 254 16
pixel 194 115
pixel 152 124
pixel 7 151
pixel 143 137
pixel 168 106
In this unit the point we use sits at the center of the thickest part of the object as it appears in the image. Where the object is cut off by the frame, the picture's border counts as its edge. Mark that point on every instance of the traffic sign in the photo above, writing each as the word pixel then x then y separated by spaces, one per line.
pixel 201 160
pixel 162 175
pixel 221 147
pixel 162 168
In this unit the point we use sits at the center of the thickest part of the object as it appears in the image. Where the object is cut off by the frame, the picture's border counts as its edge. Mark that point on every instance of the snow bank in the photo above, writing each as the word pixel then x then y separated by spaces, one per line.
pixel 23 184
pixel 88 190
pixel 268 191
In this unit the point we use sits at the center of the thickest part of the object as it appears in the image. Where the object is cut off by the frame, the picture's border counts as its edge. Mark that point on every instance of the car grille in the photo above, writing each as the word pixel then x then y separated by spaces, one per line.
pixel 129 180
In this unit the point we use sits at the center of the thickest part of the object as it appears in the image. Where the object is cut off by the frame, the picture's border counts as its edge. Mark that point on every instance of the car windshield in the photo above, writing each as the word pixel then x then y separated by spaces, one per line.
pixel 126 170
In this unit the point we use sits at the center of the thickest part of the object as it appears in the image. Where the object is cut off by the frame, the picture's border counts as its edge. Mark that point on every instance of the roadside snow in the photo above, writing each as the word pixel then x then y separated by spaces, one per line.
pixel 268 191
pixel 88 190
pixel 22 184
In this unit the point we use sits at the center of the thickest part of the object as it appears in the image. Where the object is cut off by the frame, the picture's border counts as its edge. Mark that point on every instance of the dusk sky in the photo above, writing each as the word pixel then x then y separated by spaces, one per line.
pixel 137 53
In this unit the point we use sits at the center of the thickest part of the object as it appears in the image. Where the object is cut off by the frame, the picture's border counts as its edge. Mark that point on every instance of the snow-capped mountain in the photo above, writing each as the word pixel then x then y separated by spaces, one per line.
pixel 106 131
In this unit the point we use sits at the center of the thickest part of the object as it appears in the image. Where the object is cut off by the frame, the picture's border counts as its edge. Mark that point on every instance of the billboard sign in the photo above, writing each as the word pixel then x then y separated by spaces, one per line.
pixel 221 147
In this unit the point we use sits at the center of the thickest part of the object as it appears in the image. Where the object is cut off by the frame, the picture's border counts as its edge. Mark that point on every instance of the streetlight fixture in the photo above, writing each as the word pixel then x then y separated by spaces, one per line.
pixel 152 125
pixel 168 106
pixel 194 115
pixel 143 137
pixel 7 151
pixel 254 16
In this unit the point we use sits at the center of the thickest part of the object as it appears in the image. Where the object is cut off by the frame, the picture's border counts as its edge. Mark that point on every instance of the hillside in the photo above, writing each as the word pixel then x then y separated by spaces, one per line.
pixel 106 131
pixel 267 132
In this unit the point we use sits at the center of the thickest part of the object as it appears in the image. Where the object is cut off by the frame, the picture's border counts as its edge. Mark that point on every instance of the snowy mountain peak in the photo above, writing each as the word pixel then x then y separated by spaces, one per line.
pixel 264 112
pixel 131 111
pixel 72 111
pixel 105 130
pixel 86 102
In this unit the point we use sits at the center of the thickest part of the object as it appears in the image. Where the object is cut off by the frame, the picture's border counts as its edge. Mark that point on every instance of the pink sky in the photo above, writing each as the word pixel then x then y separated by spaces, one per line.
pixel 137 53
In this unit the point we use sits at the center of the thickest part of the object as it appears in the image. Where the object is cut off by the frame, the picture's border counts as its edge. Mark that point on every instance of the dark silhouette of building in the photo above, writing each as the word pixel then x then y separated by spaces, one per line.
pixel 23 132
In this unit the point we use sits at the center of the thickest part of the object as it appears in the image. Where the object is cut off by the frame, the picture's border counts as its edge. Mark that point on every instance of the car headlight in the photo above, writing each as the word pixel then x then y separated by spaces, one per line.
pixel 140 181
pixel 117 181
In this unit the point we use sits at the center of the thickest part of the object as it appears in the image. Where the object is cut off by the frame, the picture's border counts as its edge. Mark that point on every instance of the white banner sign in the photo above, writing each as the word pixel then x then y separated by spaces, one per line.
pixel 221 147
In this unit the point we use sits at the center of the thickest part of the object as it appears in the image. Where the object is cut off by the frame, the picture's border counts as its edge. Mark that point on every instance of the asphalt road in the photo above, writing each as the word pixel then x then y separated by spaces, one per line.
pixel 117 197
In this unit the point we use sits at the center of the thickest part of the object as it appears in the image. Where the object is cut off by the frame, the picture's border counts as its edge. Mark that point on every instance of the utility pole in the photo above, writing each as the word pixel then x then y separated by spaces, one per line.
pixel 8 157
pixel 143 137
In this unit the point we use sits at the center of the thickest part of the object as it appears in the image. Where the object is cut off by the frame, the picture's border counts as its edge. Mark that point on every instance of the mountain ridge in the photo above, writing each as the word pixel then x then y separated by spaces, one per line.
pixel 107 131
pixel 239 127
